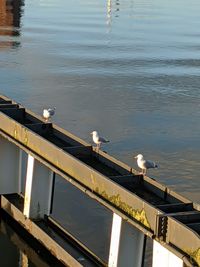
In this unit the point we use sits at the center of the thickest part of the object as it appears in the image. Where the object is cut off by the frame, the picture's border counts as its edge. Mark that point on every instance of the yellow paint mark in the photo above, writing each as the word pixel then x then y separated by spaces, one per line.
pixel 15 133
pixel 93 181
pixel 139 215
pixel 26 137
pixel 194 256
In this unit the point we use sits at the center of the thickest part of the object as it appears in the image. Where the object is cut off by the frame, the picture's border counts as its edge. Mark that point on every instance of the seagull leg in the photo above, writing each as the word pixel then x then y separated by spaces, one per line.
pixel 98 146
pixel 141 172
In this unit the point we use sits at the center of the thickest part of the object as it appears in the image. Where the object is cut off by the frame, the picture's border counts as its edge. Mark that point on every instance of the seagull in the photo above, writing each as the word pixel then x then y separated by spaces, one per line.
pixel 98 140
pixel 145 164
pixel 48 113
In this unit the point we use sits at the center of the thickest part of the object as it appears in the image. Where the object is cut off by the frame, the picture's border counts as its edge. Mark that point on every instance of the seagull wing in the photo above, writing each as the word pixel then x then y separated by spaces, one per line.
pixel 51 111
pixel 103 140
pixel 150 164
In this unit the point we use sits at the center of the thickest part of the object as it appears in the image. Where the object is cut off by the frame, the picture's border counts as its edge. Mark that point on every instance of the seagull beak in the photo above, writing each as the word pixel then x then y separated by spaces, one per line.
pixel 135 157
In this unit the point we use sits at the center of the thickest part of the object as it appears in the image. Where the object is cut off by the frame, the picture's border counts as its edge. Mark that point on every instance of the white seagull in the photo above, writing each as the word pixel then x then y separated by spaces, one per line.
pixel 145 164
pixel 48 113
pixel 98 140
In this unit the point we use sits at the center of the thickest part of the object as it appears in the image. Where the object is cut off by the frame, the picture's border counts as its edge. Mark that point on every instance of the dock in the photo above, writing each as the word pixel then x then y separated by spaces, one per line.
pixel 33 152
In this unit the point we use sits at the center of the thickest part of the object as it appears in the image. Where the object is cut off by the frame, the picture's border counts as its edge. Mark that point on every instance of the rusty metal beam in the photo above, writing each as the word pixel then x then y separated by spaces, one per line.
pixel 127 179
pixel 130 204
pixel 9 105
pixel 82 188
pixel 79 151
pixel 184 238
pixel 18 241
pixel 42 237
pixel 140 200
pixel 176 207
pixel 68 236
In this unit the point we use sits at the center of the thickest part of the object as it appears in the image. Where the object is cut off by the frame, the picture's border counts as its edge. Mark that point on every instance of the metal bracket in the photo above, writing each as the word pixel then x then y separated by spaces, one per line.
pixel 161 226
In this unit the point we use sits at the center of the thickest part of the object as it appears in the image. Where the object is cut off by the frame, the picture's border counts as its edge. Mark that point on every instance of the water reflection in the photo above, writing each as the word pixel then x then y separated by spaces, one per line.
pixel 112 9
pixel 10 21
pixel 109 2
pixel 23 255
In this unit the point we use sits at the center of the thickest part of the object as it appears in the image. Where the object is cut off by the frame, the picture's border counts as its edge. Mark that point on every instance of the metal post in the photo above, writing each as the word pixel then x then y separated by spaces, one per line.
pixel 126 246
pixel 23 259
pixel 9 166
pixel 163 257
pixel 38 189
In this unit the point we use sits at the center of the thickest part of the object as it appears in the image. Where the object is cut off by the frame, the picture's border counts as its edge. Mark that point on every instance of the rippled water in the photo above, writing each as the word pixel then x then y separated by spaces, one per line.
pixel 129 69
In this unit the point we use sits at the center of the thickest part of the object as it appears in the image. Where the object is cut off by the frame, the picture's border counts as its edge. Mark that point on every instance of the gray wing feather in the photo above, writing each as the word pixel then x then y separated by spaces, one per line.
pixel 150 164
pixel 103 140
pixel 51 112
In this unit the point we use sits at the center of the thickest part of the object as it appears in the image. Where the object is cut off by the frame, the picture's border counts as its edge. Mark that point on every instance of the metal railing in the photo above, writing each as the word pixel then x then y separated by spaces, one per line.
pixel 146 205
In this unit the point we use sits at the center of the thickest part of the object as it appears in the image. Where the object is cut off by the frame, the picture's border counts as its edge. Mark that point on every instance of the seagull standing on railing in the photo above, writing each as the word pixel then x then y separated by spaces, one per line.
pixel 98 140
pixel 145 164
pixel 48 113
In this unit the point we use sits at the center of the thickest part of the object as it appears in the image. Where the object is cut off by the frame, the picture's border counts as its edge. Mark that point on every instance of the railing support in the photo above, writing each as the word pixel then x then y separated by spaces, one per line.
pixel 126 246
pixel 38 189
pixel 163 257
pixel 23 259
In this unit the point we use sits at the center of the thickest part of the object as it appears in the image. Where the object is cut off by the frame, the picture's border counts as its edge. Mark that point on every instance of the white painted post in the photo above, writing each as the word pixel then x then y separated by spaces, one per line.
pixel 38 189
pixel 126 246
pixel 23 259
pixel 115 240
pixel 163 257
pixel 9 167
pixel 28 186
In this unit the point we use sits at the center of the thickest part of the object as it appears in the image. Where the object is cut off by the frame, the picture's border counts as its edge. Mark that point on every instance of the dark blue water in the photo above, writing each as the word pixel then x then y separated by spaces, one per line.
pixel 129 69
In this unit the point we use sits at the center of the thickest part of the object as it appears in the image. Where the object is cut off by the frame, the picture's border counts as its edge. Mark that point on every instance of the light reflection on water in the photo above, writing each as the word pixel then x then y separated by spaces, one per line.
pixel 129 69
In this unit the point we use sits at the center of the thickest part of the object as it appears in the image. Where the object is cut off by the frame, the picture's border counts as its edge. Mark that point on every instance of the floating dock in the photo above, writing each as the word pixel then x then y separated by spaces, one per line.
pixel 33 151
